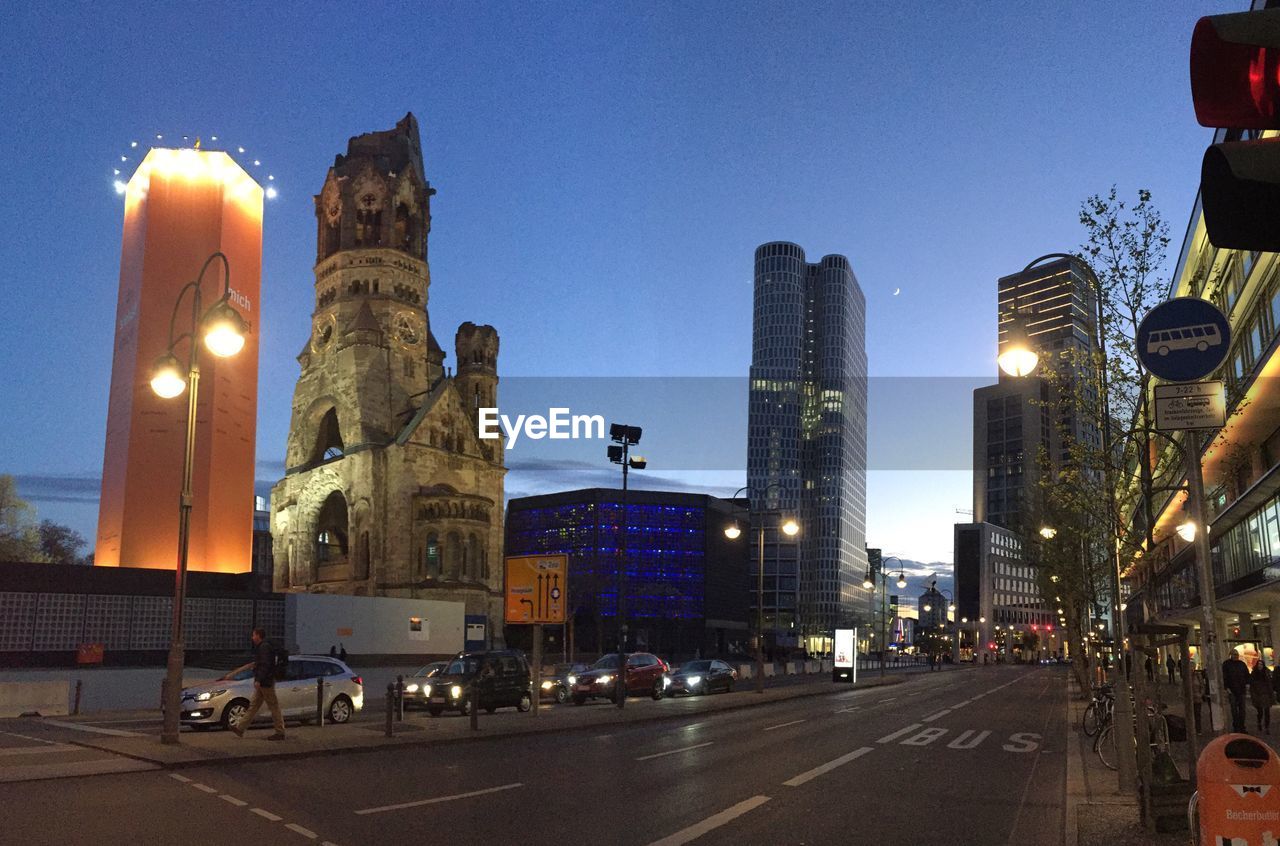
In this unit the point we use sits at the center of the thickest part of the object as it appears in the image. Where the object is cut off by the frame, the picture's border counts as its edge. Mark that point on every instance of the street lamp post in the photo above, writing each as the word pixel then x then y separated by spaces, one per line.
pixel 869 583
pixel 624 437
pixel 223 333
pixel 1124 718
pixel 790 528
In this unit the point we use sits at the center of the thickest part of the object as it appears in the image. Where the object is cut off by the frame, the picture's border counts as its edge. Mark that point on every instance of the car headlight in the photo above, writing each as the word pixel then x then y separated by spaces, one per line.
pixel 694 680
pixel 546 685
pixel 666 681
pixel 456 691
pixel 604 679
pixel 573 679
pixel 413 688
pixel 208 694
pixel 426 690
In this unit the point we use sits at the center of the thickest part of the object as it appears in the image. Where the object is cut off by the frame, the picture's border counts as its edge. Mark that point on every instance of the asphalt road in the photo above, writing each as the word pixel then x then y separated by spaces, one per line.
pixel 970 757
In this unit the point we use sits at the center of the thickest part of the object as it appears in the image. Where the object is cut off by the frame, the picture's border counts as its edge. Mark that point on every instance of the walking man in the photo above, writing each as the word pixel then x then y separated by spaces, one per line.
pixel 1169 665
pixel 264 686
pixel 1235 678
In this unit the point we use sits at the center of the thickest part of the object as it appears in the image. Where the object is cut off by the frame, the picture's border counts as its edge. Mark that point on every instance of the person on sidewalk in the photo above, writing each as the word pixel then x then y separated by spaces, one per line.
pixel 1235 678
pixel 1151 670
pixel 264 686
pixel 1260 691
pixel 1170 666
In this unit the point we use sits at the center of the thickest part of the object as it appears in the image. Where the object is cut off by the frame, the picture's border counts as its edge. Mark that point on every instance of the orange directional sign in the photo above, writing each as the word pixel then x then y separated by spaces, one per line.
pixel 537 588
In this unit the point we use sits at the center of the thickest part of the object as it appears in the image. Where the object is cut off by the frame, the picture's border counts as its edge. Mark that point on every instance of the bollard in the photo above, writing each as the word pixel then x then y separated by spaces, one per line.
pixel 320 702
pixel 391 691
pixel 475 703
pixel 76 709
pixel 399 699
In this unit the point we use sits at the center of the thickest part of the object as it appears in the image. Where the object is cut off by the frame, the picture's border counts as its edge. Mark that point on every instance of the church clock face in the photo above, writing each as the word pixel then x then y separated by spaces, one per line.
pixel 406 330
pixel 322 333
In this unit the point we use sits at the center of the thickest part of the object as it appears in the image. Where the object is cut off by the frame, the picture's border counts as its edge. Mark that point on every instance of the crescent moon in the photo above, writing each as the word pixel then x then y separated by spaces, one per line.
pixel 897 291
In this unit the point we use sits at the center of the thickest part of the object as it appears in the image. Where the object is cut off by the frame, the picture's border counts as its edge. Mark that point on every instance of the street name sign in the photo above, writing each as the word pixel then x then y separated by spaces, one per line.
pixel 1183 339
pixel 536 588
pixel 1197 405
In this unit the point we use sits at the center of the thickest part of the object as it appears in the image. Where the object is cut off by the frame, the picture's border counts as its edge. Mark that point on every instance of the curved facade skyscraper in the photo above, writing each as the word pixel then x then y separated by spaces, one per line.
pixel 807 443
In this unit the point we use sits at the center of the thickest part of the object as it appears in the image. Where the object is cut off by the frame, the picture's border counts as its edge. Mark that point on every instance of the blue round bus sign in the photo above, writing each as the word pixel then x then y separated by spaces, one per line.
pixel 1183 339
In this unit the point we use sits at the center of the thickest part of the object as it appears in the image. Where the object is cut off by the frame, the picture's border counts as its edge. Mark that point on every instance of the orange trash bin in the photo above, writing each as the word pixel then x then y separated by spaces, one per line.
pixel 1238 782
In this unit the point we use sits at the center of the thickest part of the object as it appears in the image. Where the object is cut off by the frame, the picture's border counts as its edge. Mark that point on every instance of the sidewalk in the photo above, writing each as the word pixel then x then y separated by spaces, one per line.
pixel 1097 813
pixel 417 728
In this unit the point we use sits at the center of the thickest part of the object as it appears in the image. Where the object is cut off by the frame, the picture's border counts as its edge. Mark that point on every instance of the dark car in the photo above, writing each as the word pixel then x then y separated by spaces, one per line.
pixel 705 676
pixel 644 675
pixel 502 680
pixel 555 685
pixel 417 685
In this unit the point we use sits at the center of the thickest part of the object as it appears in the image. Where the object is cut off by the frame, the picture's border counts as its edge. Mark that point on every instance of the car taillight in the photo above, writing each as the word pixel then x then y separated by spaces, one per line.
pixel 358 680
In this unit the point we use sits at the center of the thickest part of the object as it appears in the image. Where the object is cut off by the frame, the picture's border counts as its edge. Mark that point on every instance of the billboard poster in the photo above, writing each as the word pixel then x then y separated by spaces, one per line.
pixel 846 655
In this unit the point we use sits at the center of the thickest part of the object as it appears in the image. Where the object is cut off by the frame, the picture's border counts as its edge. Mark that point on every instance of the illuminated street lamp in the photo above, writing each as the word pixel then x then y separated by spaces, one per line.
pixel 1187 531
pixel 624 437
pixel 869 583
pixel 790 528
pixel 1048 532
pixel 1018 358
pixel 222 330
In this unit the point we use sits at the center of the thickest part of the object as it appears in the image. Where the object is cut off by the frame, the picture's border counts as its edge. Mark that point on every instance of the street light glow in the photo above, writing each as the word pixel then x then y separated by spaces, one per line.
pixel 224 331
pixel 1018 358
pixel 1187 531
pixel 790 528
pixel 732 532
pixel 1048 532
pixel 166 377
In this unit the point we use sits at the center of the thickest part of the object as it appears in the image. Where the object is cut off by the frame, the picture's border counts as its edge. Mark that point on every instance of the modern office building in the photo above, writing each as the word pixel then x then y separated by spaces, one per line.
pixel 684 583
pixel 1240 463
pixel 997 589
pixel 1017 420
pixel 807 443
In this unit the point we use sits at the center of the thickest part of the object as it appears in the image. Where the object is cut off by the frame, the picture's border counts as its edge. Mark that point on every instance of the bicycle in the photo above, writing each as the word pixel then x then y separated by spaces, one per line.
pixel 1098 713
pixel 1157 726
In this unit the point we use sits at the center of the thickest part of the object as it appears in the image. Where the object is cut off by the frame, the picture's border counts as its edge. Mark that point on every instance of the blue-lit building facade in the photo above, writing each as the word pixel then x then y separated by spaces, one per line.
pixel 685 587
pixel 807 444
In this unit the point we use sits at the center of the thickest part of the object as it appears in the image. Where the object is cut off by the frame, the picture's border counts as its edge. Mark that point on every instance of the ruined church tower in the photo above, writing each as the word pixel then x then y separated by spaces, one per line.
pixel 387 489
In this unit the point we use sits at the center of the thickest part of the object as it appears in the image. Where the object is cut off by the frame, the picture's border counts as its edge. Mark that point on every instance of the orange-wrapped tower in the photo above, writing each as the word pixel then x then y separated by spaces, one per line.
pixel 181 206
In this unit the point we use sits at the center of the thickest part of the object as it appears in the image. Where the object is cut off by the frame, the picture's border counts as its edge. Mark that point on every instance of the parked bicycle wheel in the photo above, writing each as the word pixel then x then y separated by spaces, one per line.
pixel 1105 746
pixel 1091 721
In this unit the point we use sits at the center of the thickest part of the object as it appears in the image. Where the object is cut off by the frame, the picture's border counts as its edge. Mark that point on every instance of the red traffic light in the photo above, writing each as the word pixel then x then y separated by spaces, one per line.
pixel 1235 70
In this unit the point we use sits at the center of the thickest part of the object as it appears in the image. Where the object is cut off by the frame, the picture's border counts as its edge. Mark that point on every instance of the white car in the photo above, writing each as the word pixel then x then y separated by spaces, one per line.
pixel 225 701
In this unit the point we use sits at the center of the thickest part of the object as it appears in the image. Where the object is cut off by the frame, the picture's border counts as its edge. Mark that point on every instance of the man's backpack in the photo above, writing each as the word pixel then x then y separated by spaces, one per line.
pixel 280 662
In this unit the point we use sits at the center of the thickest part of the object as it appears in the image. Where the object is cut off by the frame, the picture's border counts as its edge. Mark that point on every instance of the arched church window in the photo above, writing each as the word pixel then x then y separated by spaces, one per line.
pixel 368 222
pixel 433 555
pixel 328 438
pixel 404 228
pixel 331 530
pixel 473 548
pixel 453 554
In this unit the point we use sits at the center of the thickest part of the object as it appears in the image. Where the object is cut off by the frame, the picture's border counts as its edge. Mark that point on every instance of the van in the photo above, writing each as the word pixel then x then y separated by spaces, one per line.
pixel 502 680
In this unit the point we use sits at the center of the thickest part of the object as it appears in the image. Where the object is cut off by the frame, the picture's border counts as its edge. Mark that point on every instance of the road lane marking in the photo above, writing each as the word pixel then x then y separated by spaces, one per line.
pixel 784 725
pixel 964 741
pixel 92 729
pixel 827 767
pixel 439 799
pixel 961 704
pixel 712 822
pixel 889 738
pixel 266 815
pixel 847 710
pixel 29 737
pixel 674 751
pixel 890 699
pixel 925 737
pixel 204 787
pixel 239 803
pixel 40 750
pixel 178 777
pixel 941 713
pixel 305 832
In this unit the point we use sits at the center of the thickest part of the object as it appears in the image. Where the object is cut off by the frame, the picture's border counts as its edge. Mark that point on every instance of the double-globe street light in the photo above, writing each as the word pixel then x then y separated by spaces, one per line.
pixel 790 528
pixel 222 330
pixel 869 583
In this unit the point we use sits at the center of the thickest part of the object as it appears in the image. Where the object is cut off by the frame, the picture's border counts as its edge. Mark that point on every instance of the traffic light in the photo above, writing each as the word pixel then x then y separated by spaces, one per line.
pixel 1235 84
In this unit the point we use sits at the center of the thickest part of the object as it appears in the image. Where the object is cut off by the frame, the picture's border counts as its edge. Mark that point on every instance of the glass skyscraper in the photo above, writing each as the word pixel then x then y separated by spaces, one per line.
pixel 807 444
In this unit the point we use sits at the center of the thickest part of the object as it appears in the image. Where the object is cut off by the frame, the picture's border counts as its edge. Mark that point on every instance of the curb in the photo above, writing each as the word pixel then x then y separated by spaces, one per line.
pixel 479 736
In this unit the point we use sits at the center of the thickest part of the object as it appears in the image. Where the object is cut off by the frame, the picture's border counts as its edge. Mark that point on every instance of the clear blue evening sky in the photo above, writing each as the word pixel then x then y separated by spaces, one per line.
pixel 604 172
